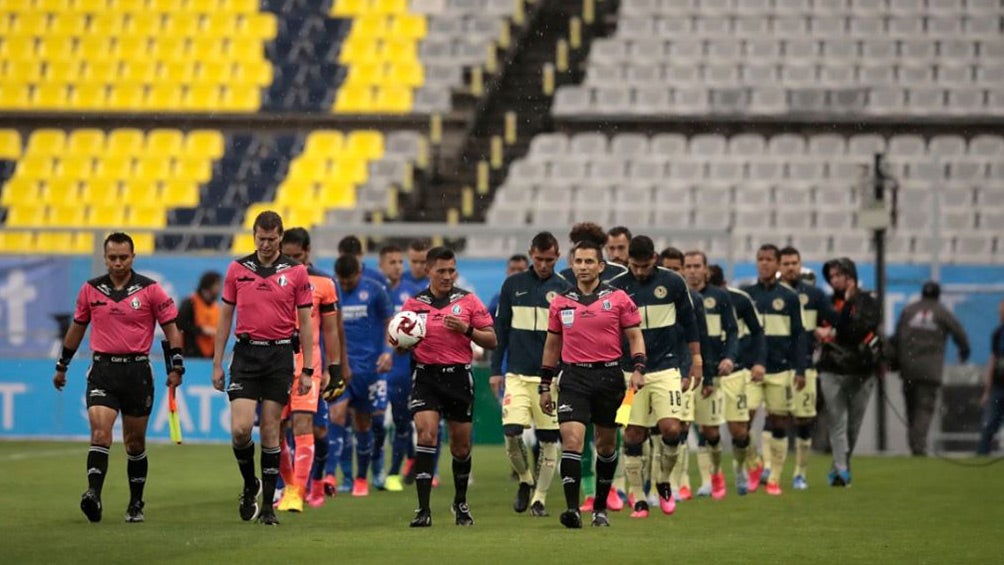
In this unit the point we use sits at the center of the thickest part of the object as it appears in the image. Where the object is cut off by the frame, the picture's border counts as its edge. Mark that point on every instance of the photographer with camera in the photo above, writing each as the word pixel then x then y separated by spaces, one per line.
pixel 849 362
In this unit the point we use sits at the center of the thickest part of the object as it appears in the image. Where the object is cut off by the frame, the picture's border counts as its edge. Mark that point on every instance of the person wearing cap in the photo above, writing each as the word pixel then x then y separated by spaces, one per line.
pixel 848 363
pixel 921 333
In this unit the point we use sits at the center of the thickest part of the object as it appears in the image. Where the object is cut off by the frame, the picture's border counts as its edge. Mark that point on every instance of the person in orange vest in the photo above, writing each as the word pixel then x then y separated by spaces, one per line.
pixel 199 314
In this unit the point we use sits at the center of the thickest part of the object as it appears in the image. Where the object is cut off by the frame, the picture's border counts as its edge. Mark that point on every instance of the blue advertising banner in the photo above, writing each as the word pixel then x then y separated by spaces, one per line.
pixel 32 292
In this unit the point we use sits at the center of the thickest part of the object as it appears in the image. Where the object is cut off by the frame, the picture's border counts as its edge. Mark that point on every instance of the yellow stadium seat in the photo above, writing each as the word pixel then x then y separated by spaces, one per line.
pixel 261 25
pixel 243 244
pixel 52 6
pixel 394 99
pixel 390 6
pixel 220 25
pixel 354 171
pixel 91 48
pixel 36 167
pixel 89 96
pixel 88 141
pixel 68 23
pixel 26 215
pixel 196 169
pixel 213 72
pixel 46 141
pixel 349 8
pixel 303 215
pixel 178 193
pixel 143 243
pixel 75 167
pixel 164 142
pixel 30 23
pixel 107 24
pixel 167 6
pixel 239 6
pixel 146 217
pixel 412 26
pixel 20 191
pixel 170 49
pixel 257 73
pixel 67 70
pixel 19 47
pixel 106 215
pixel 139 72
pixel 411 74
pixel 182 24
pixel 364 144
pixel 153 168
pixel 146 24
pixel 125 97
pixel 204 143
pixel 305 168
pixel 91 6
pixel 117 168
pixel 324 143
pixel 371 26
pixel 296 192
pixel 10 144
pixel 16 242
pixel 54 242
pixel 164 98
pixel 140 191
pixel 244 49
pixel 207 49
pixel 176 72
pixel 337 195
pixel 366 74
pixel 98 191
pixel 15 96
pixel 355 53
pixel 55 48
pixel 61 191
pixel 50 96
pixel 83 243
pixel 106 71
pixel 132 47
pixel 253 210
pixel 27 71
pixel 399 49
pixel 63 215
pixel 354 100
pixel 4 21
pixel 241 99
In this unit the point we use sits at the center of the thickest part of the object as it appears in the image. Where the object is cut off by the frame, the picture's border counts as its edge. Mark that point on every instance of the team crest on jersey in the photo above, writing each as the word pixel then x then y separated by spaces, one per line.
pixel 456 309
pixel 660 292
pixel 803 298
pixel 607 305
pixel 283 280
pixel 567 317
pixel 709 303
pixel 364 295
pixel 135 303
pixel 778 304
pixel 550 296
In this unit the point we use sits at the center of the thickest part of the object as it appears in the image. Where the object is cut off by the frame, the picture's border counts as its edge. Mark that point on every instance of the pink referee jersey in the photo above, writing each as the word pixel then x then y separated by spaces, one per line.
pixel 266 298
pixel 591 325
pixel 122 321
pixel 443 346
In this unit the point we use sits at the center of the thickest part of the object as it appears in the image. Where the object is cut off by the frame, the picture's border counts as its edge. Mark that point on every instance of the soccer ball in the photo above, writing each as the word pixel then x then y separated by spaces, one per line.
pixel 406 329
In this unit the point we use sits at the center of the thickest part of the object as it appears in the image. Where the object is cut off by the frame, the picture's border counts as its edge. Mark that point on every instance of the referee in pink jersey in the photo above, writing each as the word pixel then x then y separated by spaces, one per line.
pixel 123 308
pixel 270 293
pixel 442 384
pixel 586 325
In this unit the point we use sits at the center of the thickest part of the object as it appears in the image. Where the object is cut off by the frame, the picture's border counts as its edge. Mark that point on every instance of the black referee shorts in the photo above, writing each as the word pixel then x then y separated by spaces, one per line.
pixel 447 389
pixel 261 372
pixel 124 387
pixel 590 395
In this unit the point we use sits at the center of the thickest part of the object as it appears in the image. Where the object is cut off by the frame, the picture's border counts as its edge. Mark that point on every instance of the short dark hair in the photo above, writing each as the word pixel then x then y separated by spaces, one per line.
pixel 519 258
pixel 388 249
pixel 772 248
pixel 716 277
pixel 347 265
pixel 789 251
pixel 420 244
pixel 543 241
pixel 641 248
pixel 350 245
pixel 620 230
pixel 208 279
pixel 297 236
pixel 439 253
pixel 120 237
pixel 671 253
pixel 267 221
pixel 588 230
pixel 696 253
pixel 588 244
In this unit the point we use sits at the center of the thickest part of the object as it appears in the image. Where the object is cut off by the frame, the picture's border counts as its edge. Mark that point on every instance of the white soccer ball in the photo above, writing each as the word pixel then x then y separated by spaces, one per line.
pixel 406 329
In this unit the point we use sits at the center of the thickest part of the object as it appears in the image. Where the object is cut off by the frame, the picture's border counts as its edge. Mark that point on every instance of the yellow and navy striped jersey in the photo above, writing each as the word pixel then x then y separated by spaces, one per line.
pixel 816 309
pixel 667 315
pixel 521 320
pixel 723 332
pixel 781 316
pixel 752 342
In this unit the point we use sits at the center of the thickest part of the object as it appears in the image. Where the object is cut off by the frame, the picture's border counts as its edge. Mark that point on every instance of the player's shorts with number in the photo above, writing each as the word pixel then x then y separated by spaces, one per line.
pixel 710 411
pixel 660 398
pixel 777 395
pixel 733 389
pixel 804 405
pixel 367 393
pixel 521 403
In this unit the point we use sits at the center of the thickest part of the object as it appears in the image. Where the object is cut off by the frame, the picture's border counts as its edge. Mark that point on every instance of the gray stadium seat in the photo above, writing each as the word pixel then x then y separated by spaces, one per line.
pixel 853 245
pixel 713 219
pixel 647 171
pixel 973 249
pixel 835 197
pixel 629 144
pixel 587 145
pixel 669 144
pixel 753 197
pixel 768 101
pixel 688 171
pixel 528 170
pixel 613 99
pixel 548 146
pixel 792 220
pixel 794 196
pixel 651 100
pixel 786 144
pixel 572 101
pixel 834 221
pixel 812 247
pixel 605 170
pixel 746 145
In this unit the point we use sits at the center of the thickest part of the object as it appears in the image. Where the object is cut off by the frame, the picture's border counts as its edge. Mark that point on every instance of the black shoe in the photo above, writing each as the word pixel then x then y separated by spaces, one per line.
pixel 463 514
pixel 249 508
pixel 600 519
pixel 90 503
pixel 135 511
pixel 571 518
pixel 537 510
pixel 267 518
pixel 522 501
pixel 422 519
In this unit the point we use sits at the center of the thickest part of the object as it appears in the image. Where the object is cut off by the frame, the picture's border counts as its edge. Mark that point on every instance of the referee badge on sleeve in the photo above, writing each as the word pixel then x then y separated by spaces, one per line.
pixel 567 317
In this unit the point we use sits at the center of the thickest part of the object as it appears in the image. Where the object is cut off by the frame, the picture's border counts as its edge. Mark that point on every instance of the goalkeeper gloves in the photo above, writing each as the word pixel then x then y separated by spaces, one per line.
pixel 336 384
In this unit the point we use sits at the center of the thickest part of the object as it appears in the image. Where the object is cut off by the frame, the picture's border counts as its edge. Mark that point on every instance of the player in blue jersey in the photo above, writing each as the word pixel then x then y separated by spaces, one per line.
pixel 366 309
pixel 399 377
pixel 416 275
pixel 779 306
pixel 352 245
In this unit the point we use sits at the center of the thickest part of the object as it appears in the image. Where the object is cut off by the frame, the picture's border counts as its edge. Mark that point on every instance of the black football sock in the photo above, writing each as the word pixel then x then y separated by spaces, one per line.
pixel 269 474
pixel 571 476
pixel 320 457
pixel 606 465
pixel 425 460
pixel 136 468
pixel 461 472
pixel 97 467
pixel 245 462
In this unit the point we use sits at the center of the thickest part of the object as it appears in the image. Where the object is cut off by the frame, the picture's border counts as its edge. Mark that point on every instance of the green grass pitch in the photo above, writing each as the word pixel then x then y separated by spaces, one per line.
pixel 899 510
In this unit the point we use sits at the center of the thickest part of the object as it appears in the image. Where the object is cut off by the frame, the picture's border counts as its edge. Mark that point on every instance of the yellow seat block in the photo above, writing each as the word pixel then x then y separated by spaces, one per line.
pixel 370 26
pixel 366 74
pixel 143 243
pixel 125 142
pixel 295 192
pixel 353 53
pixel 411 26
pixel 27 71
pixel 10 144
pixel 61 191
pixel 46 141
pixel 168 6
pixel 98 191
pixel 214 72
pixel 164 98
pixel 114 167
pixel 204 143
pixel 54 242
pixel 106 215
pixel 89 96
pixel 364 144
pixel 15 96
pixel 146 24
pixel 19 47
pixel 52 6
pixel 142 192
pixel 76 167
pixel 26 215
pixel 36 167
pixel 132 47
pixel 63 215
pixel 309 168
pixel 102 71
pixel 63 71
pixel 51 96
pixel 219 25
pixel 399 49
pixel 303 215
pixel 354 171
pixel 323 143
pixel 90 6
pixel 182 24
pixel 106 24
pixel 88 141
pixel 68 23
pixel 261 25
pixel 178 193
pixel 83 243
pixel 126 97
pixel 202 98
pixel 55 48
pixel 239 6
pixel 244 48
pixel 208 49
pixel 16 242
pixel 241 99
pixel 195 169
pixel 153 168
pixel 146 217
pixel 91 48
pixel 394 99
pixel 20 191
pixel 349 8
pixel 243 244
pixel 139 72
pixel 354 100
pixel 166 48
pixel 252 73
pixel 389 7
pixel 30 23
pixel 336 194
pixel 164 142
pixel 410 74
pixel 176 72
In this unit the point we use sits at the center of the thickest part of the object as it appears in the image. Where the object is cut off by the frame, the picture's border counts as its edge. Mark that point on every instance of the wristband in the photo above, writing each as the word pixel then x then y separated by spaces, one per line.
pixel 61 367
pixel 309 371
pixel 470 331
pixel 65 357
pixel 640 362
pixel 542 388
pixel 546 376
